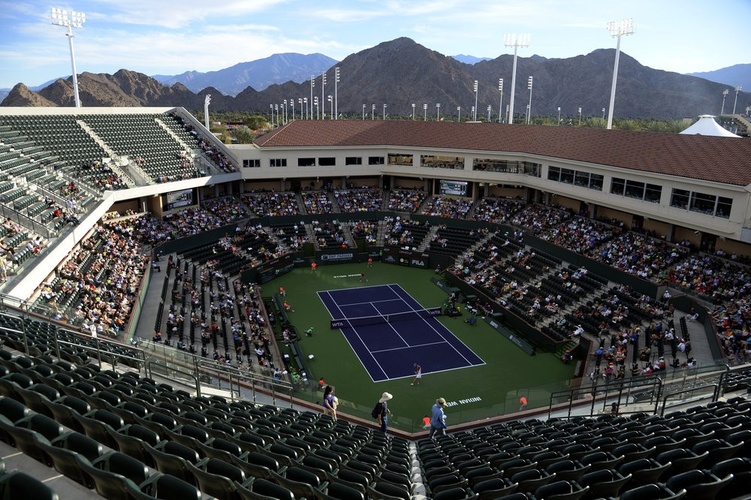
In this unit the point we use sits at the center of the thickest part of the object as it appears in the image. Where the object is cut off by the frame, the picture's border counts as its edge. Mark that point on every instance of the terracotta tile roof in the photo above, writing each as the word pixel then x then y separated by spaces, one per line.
pixel 718 159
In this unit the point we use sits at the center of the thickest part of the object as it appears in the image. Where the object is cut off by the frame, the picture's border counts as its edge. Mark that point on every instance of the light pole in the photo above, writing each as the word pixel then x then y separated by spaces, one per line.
pixel 372 112
pixel 438 111
pixel 292 104
pixel 284 119
pixel 580 116
pixel 413 111
pixel 737 89
pixel 459 113
pixel 425 111
pixel 603 113
pixel 276 110
pixel 474 115
pixel 336 98
pixel 308 110
pixel 384 111
pixel 514 41
pixel 363 111
pixel 748 110
pixel 500 105
pixel 60 18
pixel 271 115
pixel 617 29
pixel 489 109
pixel 724 95
pixel 331 105
pixel 559 115
pixel 529 107
pixel 206 102
pixel 323 95
pixel 318 114
pixel 312 85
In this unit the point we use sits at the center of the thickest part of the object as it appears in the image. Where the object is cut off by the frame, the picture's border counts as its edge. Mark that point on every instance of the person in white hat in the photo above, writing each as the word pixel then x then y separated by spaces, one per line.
pixel 383 411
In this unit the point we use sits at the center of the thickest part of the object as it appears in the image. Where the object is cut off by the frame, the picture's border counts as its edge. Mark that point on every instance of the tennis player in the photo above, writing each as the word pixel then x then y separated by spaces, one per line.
pixel 418 375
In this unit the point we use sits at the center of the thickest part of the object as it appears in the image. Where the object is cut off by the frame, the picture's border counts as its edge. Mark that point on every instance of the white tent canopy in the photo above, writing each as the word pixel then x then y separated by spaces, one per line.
pixel 706 125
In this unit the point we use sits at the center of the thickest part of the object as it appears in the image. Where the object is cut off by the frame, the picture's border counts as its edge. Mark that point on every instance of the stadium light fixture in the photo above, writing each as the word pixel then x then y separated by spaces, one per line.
pixel 530 80
pixel 580 115
pixel 318 110
pixel 459 113
pixel 500 105
pixel 559 115
pixel 331 104
pixel 384 111
pixel 425 112
pixel 737 89
pixel 75 20
pixel 413 111
pixel 206 102
pixel 363 111
pixel 617 29
pixel 292 105
pixel 515 41
pixel 336 95
pixel 372 112
pixel 474 116
pixel 490 108
pixel 307 108
pixel 323 95
pixel 438 111
pixel 312 85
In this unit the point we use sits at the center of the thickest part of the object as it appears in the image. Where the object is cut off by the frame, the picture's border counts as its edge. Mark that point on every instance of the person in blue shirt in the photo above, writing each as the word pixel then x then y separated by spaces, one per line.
pixel 438 419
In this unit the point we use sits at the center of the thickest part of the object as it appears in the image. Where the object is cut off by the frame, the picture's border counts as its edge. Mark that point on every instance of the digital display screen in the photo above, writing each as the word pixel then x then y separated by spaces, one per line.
pixel 178 199
pixel 455 188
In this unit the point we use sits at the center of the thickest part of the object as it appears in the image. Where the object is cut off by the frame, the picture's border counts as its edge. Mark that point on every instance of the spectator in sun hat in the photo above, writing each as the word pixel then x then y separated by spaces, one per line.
pixel 383 411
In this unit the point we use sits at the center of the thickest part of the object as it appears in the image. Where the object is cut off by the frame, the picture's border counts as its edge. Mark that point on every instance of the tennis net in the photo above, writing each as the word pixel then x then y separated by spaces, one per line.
pixel 339 323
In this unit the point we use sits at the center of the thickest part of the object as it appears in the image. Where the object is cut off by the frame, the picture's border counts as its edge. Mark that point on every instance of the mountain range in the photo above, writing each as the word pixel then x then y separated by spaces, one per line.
pixel 401 72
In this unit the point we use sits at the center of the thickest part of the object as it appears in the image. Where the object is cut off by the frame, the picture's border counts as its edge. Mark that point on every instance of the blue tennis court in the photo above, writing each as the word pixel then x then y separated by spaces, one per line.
pixel 390 331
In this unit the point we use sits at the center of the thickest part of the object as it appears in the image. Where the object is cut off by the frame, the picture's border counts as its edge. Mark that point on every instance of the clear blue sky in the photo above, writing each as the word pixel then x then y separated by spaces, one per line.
pixel 170 36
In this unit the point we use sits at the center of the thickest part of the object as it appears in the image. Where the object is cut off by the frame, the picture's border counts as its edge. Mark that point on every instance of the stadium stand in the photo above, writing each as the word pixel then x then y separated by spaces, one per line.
pixel 77 408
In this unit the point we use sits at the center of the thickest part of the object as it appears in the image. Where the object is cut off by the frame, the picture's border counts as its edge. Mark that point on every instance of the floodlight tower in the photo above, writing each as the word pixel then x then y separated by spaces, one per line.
pixel 530 80
pixel 737 89
pixel 312 85
pixel 206 102
pixel 323 95
pixel 76 20
pixel 617 29
pixel 474 116
pixel 500 105
pixel 336 98
pixel 514 41
pixel 724 95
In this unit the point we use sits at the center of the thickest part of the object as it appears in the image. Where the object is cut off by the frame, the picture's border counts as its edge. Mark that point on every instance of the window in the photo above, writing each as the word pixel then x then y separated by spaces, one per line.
pixel 717 206
pixel 327 161
pixel 634 189
pixel 617 186
pixel 723 207
pixel 653 193
pixel 679 199
pixel 596 181
pixel 554 174
pixel 567 176
pixel 703 203
pixel 306 162
pixel 376 160
pixel 575 177
pixel 353 160
pixel 278 162
pixel 251 163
